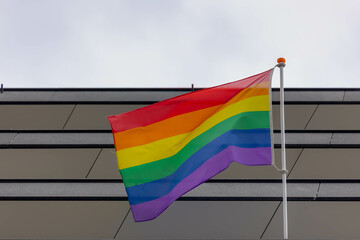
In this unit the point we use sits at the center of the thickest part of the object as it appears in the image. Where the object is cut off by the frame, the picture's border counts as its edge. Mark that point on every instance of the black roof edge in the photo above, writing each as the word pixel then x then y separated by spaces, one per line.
pixel 49 102
pixel 157 89
pixel 209 181
pixel 110 198
pixel 111 146
pixel 109 131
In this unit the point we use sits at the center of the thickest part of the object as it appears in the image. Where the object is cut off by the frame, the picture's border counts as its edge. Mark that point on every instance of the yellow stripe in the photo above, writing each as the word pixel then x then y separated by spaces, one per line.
pixel 167 147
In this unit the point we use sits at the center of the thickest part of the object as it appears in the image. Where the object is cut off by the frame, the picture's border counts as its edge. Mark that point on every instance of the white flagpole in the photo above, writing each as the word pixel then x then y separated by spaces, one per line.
pixel 281 65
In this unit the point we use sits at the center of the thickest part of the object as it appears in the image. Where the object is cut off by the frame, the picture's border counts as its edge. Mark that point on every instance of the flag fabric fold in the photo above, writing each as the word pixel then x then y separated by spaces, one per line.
pixel 168 148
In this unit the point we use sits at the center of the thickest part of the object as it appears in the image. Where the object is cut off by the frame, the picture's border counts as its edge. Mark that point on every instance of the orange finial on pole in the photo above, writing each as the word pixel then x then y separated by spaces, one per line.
pixel 281 60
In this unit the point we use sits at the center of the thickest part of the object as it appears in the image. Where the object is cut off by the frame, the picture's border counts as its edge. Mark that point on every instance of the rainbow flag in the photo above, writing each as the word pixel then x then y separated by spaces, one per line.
pixel 168 148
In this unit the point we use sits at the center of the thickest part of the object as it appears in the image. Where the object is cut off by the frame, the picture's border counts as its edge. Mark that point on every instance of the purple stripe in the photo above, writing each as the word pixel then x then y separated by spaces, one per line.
pixel 247 156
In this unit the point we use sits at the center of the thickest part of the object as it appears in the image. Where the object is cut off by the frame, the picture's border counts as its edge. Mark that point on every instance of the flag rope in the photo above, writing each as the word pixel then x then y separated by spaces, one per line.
pixel 280 170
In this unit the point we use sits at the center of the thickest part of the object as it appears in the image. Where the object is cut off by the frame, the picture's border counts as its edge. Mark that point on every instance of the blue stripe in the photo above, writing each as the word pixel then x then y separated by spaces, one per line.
pixel 241 138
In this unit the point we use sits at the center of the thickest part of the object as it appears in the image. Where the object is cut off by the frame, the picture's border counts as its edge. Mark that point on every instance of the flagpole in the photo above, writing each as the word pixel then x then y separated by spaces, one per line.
pixel 281 65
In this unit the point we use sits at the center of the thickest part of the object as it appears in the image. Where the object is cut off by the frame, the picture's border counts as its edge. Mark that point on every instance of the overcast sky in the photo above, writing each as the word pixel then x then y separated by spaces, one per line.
pixel 169 43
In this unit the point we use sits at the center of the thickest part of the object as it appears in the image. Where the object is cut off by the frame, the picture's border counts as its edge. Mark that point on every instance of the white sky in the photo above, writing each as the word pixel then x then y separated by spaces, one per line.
pixel 169 43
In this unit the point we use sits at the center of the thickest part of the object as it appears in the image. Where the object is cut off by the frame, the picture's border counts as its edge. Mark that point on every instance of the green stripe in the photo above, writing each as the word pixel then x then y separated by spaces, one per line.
pixel 156 170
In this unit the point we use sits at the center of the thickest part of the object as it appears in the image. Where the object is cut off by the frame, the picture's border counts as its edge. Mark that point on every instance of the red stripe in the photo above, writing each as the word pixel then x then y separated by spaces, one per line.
pixel 183 104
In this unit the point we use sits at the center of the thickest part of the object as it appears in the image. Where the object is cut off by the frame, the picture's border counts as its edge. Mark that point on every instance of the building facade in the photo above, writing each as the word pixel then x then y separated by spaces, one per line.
pixel 59 178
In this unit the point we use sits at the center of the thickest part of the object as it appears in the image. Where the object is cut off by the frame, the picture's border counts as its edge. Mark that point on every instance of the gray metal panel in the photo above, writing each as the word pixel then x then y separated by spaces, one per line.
pixel 115 189
pixel 306 96
pixel 46 163
pixel 225 190
pixel 62 189
pixel 305 138
pixel 34 117
pixel 275 96
pixel 5 138
pixel 114 95
pixel 203 220
pixel 318 220
pixel 345 138
pixel 105 166
pixel 63 138
pixel 296 116
pixel 26 96
pixel 94 116
pixel 106 138
pixel 327 164
pixel 239 171
pixel 307 190
pixel 61 219
pixel 352 96
pixel 336 117
pixel 153 95
pixel 339 189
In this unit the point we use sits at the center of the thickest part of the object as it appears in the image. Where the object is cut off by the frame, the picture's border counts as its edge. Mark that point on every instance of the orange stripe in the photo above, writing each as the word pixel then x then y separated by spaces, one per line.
pixel 179 124
pixel 169 127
